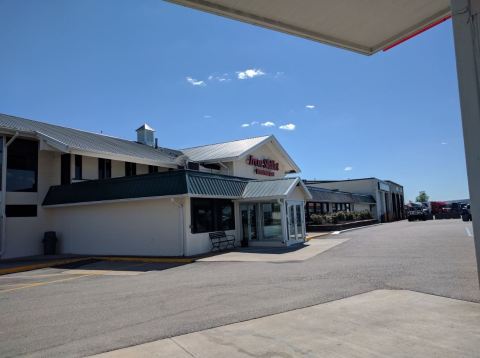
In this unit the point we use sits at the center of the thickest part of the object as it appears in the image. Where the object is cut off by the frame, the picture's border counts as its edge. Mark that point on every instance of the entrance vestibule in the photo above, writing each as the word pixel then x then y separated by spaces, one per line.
pixel 277 223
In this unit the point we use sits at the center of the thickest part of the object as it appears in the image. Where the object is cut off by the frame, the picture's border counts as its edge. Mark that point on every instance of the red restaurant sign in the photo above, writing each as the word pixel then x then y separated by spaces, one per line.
pixel 263 166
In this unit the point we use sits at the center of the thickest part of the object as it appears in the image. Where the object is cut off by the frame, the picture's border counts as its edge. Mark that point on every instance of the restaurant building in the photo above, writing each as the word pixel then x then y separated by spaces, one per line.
pixel 110 196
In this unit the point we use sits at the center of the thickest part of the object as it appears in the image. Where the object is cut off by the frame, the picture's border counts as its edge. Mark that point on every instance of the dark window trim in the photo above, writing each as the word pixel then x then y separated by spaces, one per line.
pixel 130 169
pixel 65 168
pixel 78 167
pixel 10 150
pixel 104 168
pixel 216 206
pixel 21 211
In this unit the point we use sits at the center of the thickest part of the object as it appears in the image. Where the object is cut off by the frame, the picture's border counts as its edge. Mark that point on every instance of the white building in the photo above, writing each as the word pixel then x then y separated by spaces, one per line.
pixel 109 196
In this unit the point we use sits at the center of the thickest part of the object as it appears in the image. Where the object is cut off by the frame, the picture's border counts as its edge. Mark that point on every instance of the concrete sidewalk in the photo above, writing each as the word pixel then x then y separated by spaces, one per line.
pixel 299 252
pixel 382 323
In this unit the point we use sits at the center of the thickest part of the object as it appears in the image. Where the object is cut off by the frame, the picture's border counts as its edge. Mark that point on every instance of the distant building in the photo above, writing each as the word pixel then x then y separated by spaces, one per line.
pixel 387 195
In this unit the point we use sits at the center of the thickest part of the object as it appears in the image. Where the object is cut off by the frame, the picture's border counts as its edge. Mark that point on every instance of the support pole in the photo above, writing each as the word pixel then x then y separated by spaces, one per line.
pixel 466 31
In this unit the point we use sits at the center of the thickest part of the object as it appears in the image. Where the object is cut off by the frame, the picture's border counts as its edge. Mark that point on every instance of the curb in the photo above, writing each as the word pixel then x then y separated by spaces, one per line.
pixel 354 228
pixel 42 265
pixel 317 236
pixel 145 259
pixel 31 267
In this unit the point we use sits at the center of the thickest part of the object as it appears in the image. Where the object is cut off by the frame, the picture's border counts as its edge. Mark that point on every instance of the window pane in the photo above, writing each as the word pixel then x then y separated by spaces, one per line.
pixel 225 217
pixel 1 162
pixel 272 221
pixel 202 215
pixel 130 169
pixel 212 215
pixel 78 167
pixel 108 168
pixel 20 211
pixel 22 165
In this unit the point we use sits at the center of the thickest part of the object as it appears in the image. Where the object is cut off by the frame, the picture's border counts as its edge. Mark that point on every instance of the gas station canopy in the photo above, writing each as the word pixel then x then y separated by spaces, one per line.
pixel 364 26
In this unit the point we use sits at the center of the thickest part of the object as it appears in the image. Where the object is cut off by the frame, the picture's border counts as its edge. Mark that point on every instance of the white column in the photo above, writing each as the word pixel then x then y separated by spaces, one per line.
pixel 466 31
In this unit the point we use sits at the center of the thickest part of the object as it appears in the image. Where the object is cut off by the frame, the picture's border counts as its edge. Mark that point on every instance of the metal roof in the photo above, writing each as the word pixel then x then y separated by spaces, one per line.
pixel 221 151
pixel 234 150
pixel 76 141
pixel 206 184
pixel 335 196
pixel 173 183
pixel 269 188
pixel 364 26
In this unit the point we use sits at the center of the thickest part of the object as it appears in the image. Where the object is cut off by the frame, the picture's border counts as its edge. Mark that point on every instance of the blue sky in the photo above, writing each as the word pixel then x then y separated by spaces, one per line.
pixel 196 78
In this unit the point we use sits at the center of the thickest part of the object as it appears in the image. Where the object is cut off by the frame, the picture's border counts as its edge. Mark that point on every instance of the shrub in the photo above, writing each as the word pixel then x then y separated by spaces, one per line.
pixel 365 215
pixel 317 219
pixel 340 216
pixel 349 216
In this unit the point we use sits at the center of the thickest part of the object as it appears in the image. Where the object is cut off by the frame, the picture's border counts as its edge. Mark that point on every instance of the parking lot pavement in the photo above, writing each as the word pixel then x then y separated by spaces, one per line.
pixel 76 270
pixel 96 313
pixel 299 252
pixel 382 323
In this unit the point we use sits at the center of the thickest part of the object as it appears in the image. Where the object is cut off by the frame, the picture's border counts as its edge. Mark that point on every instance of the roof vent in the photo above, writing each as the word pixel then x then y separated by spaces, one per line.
pixel 146 135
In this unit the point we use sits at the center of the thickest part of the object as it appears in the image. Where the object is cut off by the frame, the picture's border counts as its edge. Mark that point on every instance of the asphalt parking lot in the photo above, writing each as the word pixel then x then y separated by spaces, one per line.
pixel 101 306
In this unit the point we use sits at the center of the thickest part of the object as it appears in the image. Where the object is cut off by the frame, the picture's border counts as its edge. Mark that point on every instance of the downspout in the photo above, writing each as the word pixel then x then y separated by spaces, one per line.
pixel 182 224
pixel 4 192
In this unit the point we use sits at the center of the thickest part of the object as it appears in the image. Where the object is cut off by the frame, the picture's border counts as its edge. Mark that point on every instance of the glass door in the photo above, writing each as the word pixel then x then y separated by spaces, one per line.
pixel 291 222
pixel 249 223
pixel 295 221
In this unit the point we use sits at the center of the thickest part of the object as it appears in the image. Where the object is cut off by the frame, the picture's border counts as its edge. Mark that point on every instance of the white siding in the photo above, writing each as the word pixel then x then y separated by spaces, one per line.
pixel 89 168
pixel 144 227
pixel 118 169
pixel 24 235
pixel 267 151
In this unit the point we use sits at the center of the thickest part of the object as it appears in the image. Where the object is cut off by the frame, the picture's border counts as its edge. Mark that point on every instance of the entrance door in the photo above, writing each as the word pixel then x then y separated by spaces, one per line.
pixel 295 221
pixel 249 223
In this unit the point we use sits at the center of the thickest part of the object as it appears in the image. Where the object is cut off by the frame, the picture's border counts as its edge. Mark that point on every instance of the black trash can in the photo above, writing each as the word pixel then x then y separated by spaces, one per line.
pixel 50 243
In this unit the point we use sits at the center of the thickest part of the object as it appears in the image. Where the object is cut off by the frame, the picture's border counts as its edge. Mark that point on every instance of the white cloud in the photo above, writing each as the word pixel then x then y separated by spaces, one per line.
pixel 347 169
pixel 268 124
pixel 207 116
pixel 254 123
pixel 310 106
pixel 220 78
pixel 195 82
pixel 245 125
pixel 288 127
pixel 250 73
pixel 444 143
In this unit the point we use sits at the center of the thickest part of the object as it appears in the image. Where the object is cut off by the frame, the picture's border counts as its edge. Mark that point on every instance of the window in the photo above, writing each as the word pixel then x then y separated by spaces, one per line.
pixel 65 169
pixel 130 169
pixel 78 167
pixel 152 169
pixel 1 161
pixel 272 221
pixel 22 166
pixel 212 215
pixel 104 168
pixel 20 211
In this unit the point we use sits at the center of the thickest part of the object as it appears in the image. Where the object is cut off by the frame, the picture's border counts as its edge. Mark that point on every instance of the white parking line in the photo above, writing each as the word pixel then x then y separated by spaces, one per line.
pixel 467 230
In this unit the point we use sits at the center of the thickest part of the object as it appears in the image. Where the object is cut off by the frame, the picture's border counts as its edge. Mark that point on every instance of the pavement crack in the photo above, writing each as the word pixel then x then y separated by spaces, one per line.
pixel 183 348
